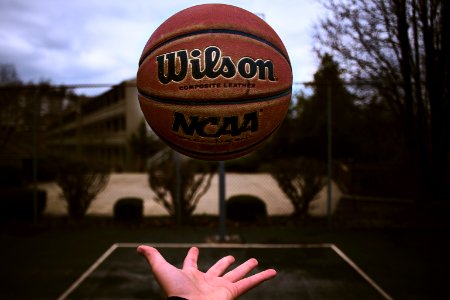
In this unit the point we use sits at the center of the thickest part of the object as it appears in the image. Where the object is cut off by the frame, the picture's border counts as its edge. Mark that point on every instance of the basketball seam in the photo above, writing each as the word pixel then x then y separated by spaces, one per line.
pixel 196 102
pixel 212 154
pixel 215 31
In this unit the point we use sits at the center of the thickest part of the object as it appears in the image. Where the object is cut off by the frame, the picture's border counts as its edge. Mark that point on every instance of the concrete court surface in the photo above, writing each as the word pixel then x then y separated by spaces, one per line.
pixel 136 185
pixel 308 271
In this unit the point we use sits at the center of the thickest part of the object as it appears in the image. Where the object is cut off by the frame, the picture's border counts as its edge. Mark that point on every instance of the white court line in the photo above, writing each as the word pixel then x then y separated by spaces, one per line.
pixel 88 272
pixel 224 246
pixel 361 272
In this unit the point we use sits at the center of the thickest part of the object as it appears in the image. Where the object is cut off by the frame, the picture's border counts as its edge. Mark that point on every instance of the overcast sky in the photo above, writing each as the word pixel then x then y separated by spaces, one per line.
pixel 100 41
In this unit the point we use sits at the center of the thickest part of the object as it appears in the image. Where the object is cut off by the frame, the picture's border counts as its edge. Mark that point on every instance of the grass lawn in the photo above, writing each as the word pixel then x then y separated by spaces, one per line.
pixel 40 261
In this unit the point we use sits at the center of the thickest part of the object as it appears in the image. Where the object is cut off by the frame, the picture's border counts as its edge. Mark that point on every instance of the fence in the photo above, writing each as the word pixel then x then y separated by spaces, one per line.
pixel 40 123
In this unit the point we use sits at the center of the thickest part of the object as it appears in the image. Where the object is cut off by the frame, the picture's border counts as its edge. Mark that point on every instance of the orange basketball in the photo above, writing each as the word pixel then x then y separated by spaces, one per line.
pixel 214 81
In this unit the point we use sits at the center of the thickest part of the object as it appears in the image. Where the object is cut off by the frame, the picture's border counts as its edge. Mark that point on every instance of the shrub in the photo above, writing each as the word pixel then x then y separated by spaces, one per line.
pixel 11 176
pixel 80 182
pixel 194 180
pixel 128 209
pixel 245 208
pixel 17 204
pixel 301 179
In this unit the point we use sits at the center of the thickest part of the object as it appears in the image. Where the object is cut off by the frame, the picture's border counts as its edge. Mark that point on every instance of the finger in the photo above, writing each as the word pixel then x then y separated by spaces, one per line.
pixel 191 258
pixel 162 270
pixel 242 270
pixel 250 282
pixel 220 266
pixel 153 257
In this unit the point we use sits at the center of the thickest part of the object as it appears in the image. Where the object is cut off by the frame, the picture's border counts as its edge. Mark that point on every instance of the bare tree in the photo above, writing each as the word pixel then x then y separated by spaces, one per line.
pixel 80 181
pixel 190 184
pixel 26 108
pixel 300 179
pixel 400 49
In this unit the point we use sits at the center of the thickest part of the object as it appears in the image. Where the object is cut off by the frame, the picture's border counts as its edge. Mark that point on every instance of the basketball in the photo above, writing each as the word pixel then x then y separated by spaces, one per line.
pixel 214 81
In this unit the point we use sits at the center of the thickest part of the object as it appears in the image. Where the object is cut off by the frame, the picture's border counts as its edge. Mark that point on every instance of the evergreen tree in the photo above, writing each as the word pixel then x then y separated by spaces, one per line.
pixel 304 131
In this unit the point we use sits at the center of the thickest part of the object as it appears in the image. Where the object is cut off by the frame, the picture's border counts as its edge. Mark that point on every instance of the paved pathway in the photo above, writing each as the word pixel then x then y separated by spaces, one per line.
pixel 136 185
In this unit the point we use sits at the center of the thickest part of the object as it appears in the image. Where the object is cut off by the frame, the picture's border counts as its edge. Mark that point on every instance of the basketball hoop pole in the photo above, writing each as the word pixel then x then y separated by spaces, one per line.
pixel 177 159
pixel 222 212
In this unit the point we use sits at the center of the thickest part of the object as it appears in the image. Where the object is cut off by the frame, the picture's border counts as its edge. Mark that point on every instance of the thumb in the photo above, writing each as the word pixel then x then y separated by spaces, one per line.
pixel 153 257
pixel 163 271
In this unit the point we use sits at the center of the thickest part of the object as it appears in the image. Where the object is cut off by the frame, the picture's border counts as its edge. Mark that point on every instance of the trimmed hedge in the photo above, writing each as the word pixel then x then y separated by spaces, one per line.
pixel 16 203
pixel 129 209
pixel 245 208
pixel 11 176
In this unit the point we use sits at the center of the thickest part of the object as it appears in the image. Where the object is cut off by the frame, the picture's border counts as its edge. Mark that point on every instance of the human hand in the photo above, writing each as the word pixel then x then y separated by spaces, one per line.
pixel 193 284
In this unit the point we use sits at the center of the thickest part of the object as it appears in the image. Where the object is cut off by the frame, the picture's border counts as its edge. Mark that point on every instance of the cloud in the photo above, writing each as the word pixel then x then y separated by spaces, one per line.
pixel 97 41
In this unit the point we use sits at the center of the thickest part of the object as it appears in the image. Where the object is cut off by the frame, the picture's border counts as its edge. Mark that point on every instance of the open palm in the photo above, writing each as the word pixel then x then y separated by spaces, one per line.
pixel 191 283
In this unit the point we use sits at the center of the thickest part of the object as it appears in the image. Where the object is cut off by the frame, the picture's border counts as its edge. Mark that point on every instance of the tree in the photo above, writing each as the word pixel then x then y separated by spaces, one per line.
pixel 304 130
pixel 14 106
pixel 8 75
pixel 399 48
pixel 302 138
pixel 188 186
pixel 80 180
pixel 345 115
pixel 300 179
pixel 25 107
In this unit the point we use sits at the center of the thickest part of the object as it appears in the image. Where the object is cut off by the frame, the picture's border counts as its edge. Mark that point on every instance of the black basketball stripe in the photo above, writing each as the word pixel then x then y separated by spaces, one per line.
pixel 218 31
pixel 212 155
pixel 196 102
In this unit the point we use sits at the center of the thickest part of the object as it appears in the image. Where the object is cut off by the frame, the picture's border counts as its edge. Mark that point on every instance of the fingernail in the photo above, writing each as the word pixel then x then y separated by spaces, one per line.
pixel 140 250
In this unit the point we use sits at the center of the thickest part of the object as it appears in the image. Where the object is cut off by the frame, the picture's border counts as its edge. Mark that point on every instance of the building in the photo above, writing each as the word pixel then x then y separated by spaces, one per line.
pixel 100 127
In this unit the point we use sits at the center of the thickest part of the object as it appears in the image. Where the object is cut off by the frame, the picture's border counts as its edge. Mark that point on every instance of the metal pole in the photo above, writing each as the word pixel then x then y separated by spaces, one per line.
pixel 329 152
pixel 177 159
pixel 222 209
